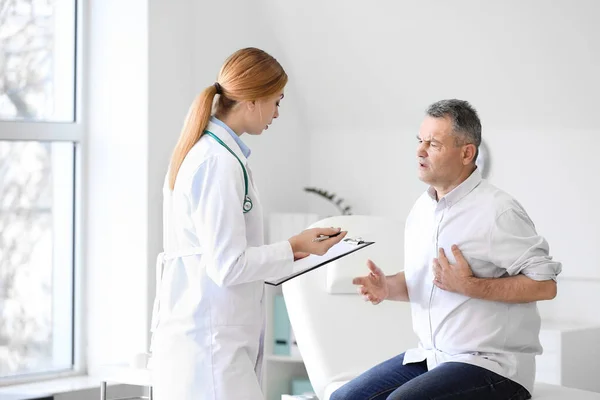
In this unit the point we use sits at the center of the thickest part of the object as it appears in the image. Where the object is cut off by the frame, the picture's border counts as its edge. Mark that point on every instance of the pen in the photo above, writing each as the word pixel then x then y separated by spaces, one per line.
pixel 325 237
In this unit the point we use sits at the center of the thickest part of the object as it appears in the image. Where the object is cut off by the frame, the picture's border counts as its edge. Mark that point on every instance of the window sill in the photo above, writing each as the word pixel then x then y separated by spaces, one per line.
pixel 112 374
pixel 49 388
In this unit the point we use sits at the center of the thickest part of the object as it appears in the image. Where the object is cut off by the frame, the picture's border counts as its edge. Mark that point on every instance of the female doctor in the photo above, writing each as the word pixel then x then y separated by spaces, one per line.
pixel 209 314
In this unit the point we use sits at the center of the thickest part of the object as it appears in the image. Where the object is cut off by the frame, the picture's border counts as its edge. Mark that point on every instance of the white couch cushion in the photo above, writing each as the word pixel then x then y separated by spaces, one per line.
pixel 332 387
pixel 542 391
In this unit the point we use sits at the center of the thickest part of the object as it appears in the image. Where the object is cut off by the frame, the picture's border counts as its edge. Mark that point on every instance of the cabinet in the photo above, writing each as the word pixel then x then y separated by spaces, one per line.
pixel 278 370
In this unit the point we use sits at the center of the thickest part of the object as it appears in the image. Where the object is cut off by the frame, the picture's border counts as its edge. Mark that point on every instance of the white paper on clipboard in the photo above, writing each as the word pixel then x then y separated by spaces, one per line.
pixel 343 248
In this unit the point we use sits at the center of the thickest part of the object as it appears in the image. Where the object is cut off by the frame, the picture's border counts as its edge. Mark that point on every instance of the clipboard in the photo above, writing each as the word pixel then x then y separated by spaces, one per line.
pixel 307 264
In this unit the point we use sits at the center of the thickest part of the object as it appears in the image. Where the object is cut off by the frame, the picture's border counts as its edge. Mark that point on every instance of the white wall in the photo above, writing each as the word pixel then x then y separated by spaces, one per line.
pixel 116 180
pixel 369 70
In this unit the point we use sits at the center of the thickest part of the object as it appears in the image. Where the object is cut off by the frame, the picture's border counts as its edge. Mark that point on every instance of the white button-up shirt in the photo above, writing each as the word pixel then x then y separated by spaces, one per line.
pixel 498 239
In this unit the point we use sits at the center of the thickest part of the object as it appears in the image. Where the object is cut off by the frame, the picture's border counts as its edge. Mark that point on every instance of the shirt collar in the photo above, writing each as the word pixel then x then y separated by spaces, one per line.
pixel 461 190
pixel 245 149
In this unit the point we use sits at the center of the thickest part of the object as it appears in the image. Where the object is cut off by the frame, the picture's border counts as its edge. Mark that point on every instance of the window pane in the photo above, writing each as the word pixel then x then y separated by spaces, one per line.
pixel 37 60
pixel 36 257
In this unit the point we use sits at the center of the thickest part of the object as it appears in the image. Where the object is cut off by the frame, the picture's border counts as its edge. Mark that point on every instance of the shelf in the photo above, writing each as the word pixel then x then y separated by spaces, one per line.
pixel 287 359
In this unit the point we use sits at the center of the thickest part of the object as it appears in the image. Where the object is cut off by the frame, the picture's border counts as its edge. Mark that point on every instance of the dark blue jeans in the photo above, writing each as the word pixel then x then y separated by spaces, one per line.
pixel 391 380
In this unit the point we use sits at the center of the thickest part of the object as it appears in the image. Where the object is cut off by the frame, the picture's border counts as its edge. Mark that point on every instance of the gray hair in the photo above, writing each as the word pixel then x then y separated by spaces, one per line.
pixel 465 121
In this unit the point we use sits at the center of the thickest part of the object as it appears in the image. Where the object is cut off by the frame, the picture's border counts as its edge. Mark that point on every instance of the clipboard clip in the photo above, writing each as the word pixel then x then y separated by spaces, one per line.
pixel 357 241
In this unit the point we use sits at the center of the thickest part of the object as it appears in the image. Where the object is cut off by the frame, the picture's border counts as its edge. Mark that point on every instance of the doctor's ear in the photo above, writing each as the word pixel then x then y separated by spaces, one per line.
pixel 251 104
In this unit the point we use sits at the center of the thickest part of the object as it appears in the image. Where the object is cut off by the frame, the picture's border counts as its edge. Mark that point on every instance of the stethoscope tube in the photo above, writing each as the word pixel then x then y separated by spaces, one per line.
pixel 247 205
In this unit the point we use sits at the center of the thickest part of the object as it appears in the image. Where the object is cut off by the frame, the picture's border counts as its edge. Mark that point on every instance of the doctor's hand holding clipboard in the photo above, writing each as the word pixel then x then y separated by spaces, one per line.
pixel 320 240
pixel 209 314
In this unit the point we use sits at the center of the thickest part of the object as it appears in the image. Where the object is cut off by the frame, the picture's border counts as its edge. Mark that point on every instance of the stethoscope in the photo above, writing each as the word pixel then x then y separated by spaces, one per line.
pixel 247 206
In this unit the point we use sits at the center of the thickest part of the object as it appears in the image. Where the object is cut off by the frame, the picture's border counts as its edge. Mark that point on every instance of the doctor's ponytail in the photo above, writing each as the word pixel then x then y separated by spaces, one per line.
pixel 248 74
pixel 193 127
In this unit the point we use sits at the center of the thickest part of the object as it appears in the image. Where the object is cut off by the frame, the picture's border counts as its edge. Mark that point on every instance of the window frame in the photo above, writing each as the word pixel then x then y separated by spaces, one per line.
pixel 75 132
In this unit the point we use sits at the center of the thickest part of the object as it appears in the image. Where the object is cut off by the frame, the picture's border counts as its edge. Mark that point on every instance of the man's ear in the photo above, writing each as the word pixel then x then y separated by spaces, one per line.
pixel 469 151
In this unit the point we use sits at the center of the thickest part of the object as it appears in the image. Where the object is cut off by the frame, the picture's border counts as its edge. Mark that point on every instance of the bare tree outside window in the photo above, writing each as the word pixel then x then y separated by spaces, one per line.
pixel 36 256
pixel 37 202
pixel 36 68
pixel 25 257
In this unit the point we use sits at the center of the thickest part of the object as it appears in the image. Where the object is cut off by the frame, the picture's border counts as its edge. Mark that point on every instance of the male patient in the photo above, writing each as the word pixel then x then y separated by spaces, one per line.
pixel 474 269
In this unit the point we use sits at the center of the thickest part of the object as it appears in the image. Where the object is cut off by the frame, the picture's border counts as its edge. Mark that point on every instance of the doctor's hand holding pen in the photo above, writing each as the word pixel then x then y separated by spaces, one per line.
pixel 315 241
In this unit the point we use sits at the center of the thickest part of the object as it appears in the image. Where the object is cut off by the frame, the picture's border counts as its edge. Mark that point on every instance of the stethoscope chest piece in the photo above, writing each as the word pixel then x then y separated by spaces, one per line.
pixel 247 204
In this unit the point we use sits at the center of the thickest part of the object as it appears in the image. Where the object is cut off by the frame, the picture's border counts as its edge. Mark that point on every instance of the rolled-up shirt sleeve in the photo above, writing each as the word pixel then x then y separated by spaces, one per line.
pixel 516 247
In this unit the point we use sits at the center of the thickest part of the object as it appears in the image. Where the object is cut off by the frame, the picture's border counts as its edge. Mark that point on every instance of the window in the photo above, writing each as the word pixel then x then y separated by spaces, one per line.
pixel 37 60
pixel 40 136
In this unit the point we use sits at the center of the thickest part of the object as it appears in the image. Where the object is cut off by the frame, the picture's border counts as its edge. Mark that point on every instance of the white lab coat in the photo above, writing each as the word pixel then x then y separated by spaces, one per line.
pixel 209 316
